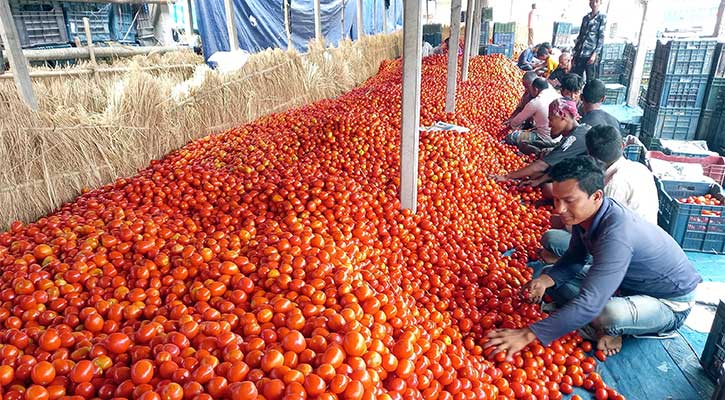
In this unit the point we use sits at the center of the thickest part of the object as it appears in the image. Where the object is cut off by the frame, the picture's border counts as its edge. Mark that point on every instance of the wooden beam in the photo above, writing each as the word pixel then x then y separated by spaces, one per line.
pixel 453 40
pixel 646 34
pixel 231 28
pixel 189 20
pixel 412 52
pixel 318 21
pixel 360 30
pixel 89 39
pixel 467 44
pixel 18 64
pixel 66 72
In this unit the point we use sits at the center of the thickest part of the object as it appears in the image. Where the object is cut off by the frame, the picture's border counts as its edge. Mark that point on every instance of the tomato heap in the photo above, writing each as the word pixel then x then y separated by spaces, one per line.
pixel 705 200
pixel 273 261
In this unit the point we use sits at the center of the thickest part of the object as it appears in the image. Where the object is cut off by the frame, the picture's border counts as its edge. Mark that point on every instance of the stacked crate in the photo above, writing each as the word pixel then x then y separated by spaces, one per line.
pixel 676 89
pixel 432 33
pixel 712 121
pixel 504 34
pixel 617 59
pixel 39 23
pixel 99 18
pixel 562 36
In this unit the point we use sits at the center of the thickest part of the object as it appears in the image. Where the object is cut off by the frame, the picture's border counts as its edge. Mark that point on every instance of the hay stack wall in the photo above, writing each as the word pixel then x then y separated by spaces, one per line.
pixel 93 127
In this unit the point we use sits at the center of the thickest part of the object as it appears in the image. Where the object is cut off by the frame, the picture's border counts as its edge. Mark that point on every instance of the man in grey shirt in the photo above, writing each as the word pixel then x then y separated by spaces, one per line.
pixel 640 280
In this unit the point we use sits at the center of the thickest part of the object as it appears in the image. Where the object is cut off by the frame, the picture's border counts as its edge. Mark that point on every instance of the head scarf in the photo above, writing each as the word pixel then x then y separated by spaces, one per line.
pixel 563 108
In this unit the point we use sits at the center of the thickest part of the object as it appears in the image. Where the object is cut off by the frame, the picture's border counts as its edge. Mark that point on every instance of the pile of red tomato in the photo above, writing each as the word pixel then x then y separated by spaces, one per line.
pixel 273 262
pixel 705 200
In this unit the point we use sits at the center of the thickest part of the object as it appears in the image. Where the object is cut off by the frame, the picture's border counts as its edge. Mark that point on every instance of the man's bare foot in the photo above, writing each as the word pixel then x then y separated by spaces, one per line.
pixel 610 345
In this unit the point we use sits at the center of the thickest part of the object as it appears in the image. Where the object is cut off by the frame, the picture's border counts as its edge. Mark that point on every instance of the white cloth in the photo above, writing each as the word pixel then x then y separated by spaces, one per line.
pixel 633 185
pixel 538 109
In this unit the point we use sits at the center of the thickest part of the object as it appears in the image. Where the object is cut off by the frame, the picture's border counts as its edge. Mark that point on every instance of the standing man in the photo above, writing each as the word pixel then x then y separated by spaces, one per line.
pixel 640 281
pixel 589 42
pixel 532 21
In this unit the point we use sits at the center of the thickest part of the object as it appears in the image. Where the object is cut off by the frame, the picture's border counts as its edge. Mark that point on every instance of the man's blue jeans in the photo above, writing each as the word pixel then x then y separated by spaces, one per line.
pixel 627 315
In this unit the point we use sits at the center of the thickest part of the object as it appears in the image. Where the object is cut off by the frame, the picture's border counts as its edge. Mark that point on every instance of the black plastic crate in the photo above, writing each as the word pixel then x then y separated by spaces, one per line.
pixel 716 140
pixel 617 51
pixel 504 38
pixel 685 57
pixel 495 49
pixel 709 122
pixel 630 129
pixel 485 33
pixel 613 79
pixel 144 25
pixel 562 28
pixel 610 67
pixel 713 356
pixel 670 122
pixel 676 90
pixel 615 93
pixel 99 16
pixel 39 23
pixel 123 28
pixel 695 227
pixel 487 14
pixel 634 152
pixel 715 95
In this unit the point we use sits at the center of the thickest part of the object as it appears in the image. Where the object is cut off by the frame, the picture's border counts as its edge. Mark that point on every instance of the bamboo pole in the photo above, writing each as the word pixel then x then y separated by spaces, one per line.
pixel 90 71
pixel 467 44
pixel 82 52
pixel 318 21
pixel 287 29
pixel 360 30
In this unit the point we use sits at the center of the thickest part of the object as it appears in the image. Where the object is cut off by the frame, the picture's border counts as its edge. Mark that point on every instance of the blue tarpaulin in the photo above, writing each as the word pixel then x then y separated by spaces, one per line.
pixel 260 23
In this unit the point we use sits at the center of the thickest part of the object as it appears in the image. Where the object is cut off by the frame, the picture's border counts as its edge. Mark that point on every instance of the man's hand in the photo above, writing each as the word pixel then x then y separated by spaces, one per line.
pixel 510 341
pixel 499 178
pixel 536 287
pixel 532 182
pixel 592 59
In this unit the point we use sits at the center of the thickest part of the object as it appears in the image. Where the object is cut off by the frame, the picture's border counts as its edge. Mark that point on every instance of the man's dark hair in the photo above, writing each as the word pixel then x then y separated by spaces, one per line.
pixel 572 83
pixel 540 83
pixel 542 51
pixel 604 143
pixel 545 45
pixel 594 91
pixel 584 169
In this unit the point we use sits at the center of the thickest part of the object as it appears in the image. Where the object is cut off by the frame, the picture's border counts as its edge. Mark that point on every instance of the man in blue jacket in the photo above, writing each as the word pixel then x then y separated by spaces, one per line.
pixel 640 281
pixel 589 42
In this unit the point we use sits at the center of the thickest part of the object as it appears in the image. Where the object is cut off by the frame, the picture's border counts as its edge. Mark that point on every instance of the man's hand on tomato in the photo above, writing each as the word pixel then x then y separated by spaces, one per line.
pixel 510 341
pixel 537 287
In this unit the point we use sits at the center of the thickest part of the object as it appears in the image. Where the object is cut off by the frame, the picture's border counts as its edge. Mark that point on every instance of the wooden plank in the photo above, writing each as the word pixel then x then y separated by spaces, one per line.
pixel 687 360
pixel 18 63
pixel 318 23
pixel 360 30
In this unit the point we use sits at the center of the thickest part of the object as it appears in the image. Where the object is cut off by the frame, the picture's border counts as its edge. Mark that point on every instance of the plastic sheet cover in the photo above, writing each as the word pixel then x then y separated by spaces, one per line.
pixel 260 23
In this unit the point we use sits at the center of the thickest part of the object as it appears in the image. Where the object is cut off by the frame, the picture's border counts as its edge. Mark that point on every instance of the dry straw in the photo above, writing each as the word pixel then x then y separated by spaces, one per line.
pixel 99 122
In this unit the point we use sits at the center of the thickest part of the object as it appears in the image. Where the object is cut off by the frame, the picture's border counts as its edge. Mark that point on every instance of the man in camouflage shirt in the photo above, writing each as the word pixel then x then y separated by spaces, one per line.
pixel 589 42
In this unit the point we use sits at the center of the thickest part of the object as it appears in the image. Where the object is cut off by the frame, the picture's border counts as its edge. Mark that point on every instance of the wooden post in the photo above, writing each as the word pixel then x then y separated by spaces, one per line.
pixel 476 36
pixel 231 29
pixel 360 30
pixel 645 35
pixel 18 65
pixel 453 40
pixel 89 39
pixel 412 52
pixel 189 21
pixel 318 23
pixel 287 25
pixel 467 44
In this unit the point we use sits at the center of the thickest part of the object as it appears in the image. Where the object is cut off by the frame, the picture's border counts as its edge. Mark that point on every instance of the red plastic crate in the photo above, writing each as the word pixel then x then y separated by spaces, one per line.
pixel 712 166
